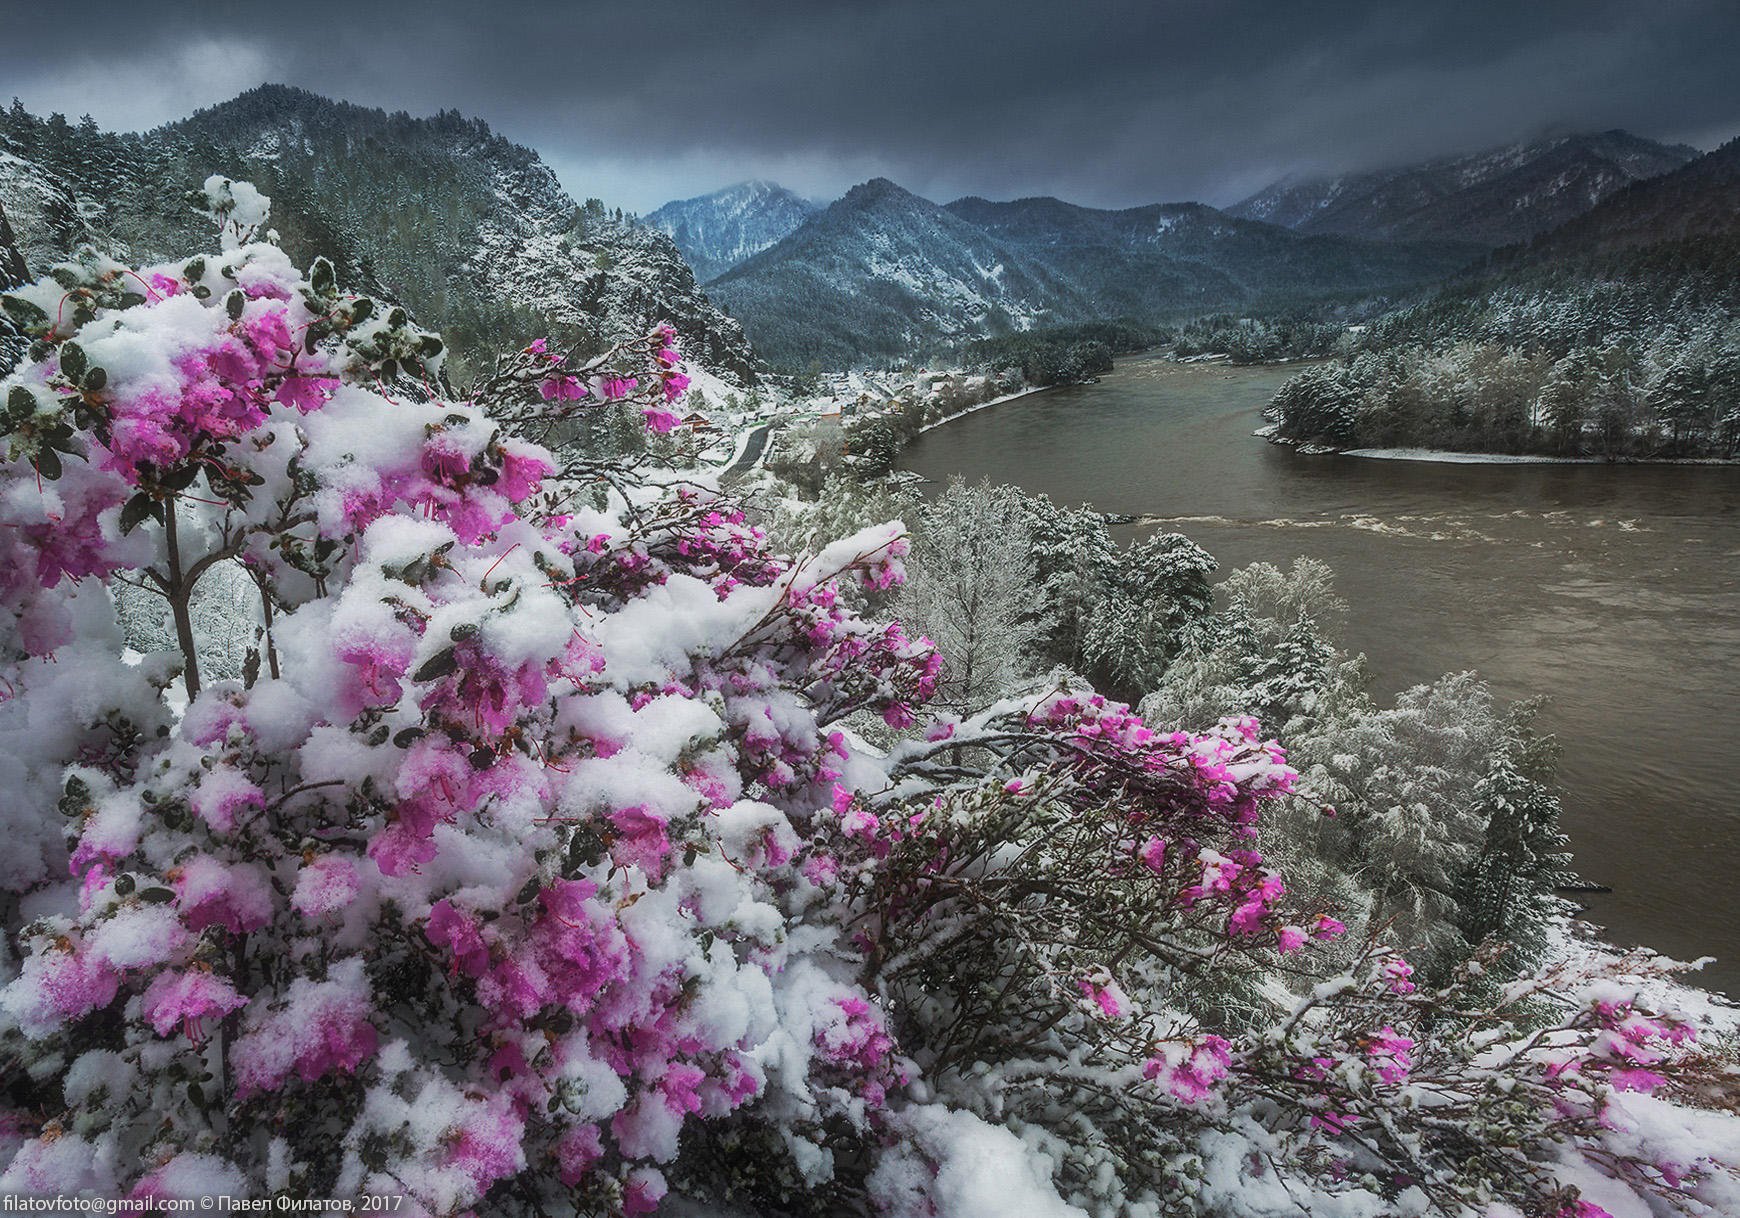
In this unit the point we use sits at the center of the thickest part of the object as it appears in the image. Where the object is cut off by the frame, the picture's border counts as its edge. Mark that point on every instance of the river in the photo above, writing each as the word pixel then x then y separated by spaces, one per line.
pixel 1615 591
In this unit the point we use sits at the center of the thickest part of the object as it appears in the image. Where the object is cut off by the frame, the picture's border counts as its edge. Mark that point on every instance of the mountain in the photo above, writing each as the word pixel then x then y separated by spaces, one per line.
pixel 719 230
pixel 469 230
pixel 1491 198
pixel 883 272
pixel 879 272
pixel 1697 202
pixel 1165 258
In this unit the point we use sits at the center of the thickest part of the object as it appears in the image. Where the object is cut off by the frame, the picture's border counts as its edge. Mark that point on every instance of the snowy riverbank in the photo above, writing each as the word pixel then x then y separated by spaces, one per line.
pixel 1007 397
pixel 1445 456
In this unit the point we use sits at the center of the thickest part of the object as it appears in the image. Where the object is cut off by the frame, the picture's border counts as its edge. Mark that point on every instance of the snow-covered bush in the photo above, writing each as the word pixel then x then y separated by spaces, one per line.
pixel 494 873
pixel 1080 940
pixel 529 850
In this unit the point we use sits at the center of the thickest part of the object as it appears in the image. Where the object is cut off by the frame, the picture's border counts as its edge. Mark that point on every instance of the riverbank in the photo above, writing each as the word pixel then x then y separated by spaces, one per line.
pixel 1007 397
pixel 1448 456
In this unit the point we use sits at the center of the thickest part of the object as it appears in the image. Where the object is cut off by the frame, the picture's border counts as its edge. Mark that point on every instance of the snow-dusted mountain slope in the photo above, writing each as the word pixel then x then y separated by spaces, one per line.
pixel 1491 198
pixel 471 231
pixel 719 230
pixel 883 272
pixel 880 272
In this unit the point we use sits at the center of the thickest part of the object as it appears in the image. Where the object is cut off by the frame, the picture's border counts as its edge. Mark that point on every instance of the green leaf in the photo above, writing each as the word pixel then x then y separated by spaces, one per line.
pixel 20 403
pixel 48 463
pixel 95 380
pixel 73 361
pixel 194 271
pixel 156 896
pixel 437 666
pixel 233 304
pixel 138 509
pixel 23 312
pixel 322 278
pixel 124 885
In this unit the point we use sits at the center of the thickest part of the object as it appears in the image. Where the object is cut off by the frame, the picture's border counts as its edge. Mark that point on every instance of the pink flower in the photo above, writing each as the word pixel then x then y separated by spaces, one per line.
pixel 237 898
pixel 222 796
pixel 645 1189
pixel 660 421
pixel 486 1144
pixel 640 840
pixel 182 999
pixel 1398 971
pixel 327 884
pixel 1103 993
pixel 460 935
pixel 563 389
pixel 60 985
pixel 521 473
pixel 1391 1055
pixel 1190 1071
pixel 1327 927
pixel 305 393
pixel 324 1026
pixel 1153 854
pixel 616 387
pixel 576 1152
pixel 1289 939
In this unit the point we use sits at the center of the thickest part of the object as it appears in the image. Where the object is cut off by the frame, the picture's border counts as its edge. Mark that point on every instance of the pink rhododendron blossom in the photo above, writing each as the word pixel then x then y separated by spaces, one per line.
pixel 325 885
pixel 1399 971
pixel 184 999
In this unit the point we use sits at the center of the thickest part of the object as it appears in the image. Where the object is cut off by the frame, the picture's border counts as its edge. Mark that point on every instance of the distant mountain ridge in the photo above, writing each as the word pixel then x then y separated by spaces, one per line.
pixel 717 231
pixel 1698 201
pixel 882 272
pixel 1496 197
pixel 471 231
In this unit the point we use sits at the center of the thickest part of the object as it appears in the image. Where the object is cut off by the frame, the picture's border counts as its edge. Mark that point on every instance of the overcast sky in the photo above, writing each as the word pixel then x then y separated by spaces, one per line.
pixel 1103 102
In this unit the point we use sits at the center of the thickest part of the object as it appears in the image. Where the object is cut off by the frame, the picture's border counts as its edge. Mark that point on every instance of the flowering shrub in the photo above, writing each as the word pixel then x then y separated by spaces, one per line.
pixel 1079 940
pixel 494 875
pixel 534 844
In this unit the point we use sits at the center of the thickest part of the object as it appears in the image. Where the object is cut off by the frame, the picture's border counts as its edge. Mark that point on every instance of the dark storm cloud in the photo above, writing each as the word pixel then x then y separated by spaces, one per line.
pixel 1101 101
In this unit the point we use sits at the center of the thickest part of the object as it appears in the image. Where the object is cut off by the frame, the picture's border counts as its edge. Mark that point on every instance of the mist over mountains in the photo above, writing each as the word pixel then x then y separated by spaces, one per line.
pixel 882 272
pixel 475 234
pixel 1495 197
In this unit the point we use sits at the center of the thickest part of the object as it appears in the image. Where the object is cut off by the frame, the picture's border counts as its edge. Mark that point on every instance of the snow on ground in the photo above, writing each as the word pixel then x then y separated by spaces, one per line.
pixel 1445 456
pixel 1007 397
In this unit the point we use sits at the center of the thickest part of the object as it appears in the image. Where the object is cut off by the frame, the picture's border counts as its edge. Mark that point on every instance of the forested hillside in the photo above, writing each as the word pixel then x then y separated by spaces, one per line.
pixel 1613 336
pixel 465 227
